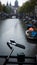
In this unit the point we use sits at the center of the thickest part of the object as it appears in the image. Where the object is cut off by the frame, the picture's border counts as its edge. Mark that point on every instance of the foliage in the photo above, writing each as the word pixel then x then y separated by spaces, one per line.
pixel 5 9
pixel 1 7
pixel 28 7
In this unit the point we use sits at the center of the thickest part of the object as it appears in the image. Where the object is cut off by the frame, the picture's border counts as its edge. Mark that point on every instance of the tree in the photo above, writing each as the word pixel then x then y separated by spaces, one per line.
pixel 6 9
pixel 1 7
pixel 25 8
pixel 33 3
pixel 28 6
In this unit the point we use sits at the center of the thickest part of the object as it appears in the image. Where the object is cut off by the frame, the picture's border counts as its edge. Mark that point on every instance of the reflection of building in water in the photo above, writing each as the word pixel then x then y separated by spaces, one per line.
pixel 15 7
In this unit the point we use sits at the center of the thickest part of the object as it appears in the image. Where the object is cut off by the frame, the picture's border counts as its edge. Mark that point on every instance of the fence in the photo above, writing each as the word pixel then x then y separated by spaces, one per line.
pixel 20 63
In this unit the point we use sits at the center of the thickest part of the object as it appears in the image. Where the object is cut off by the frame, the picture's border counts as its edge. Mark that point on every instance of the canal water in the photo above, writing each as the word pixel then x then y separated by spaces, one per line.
pixel 11 29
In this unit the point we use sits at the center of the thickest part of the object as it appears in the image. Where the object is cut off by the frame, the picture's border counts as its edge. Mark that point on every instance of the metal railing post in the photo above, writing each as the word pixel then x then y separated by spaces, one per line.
pixel 20 58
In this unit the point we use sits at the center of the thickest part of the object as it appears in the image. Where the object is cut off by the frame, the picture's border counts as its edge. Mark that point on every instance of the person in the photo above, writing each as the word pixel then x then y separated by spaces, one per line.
pixel 31 29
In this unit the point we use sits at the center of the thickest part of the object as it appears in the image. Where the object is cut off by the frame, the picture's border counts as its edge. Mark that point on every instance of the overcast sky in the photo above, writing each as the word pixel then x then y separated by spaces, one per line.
pixel 12 1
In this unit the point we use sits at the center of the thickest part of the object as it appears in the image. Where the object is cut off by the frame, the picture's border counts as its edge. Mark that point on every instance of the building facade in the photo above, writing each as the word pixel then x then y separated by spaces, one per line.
pixel 15 7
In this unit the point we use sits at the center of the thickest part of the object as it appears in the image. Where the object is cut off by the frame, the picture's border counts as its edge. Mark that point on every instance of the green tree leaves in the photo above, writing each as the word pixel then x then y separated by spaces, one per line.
pixel 5 9
pixel 1 7
pixel 28 6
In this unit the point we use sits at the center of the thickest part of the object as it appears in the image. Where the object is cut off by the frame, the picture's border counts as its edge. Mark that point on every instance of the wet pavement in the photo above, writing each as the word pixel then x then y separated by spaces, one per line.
pixel 11 29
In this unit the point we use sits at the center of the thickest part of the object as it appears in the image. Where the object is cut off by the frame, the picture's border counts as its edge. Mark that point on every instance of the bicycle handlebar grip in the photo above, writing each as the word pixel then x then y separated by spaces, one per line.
pixel 21 46
pixel 16 44
pixel 9 45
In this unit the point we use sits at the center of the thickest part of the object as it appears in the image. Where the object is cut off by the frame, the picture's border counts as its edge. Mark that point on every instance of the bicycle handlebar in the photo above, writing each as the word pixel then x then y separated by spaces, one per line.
pixel 9 45
pixel 16 44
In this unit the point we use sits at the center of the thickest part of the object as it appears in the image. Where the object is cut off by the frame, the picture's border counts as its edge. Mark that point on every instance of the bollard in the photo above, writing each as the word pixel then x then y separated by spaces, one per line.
pixel 20 58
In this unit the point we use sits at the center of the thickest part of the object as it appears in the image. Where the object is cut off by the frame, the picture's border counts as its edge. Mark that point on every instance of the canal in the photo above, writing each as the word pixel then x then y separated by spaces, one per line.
pixel 11 29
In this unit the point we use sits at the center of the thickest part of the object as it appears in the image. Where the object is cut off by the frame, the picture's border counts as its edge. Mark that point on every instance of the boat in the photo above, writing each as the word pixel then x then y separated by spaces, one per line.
pixel 31 34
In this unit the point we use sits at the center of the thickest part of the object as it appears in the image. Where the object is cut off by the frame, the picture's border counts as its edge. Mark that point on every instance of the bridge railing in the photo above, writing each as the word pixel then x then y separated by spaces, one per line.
pixel 19 62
